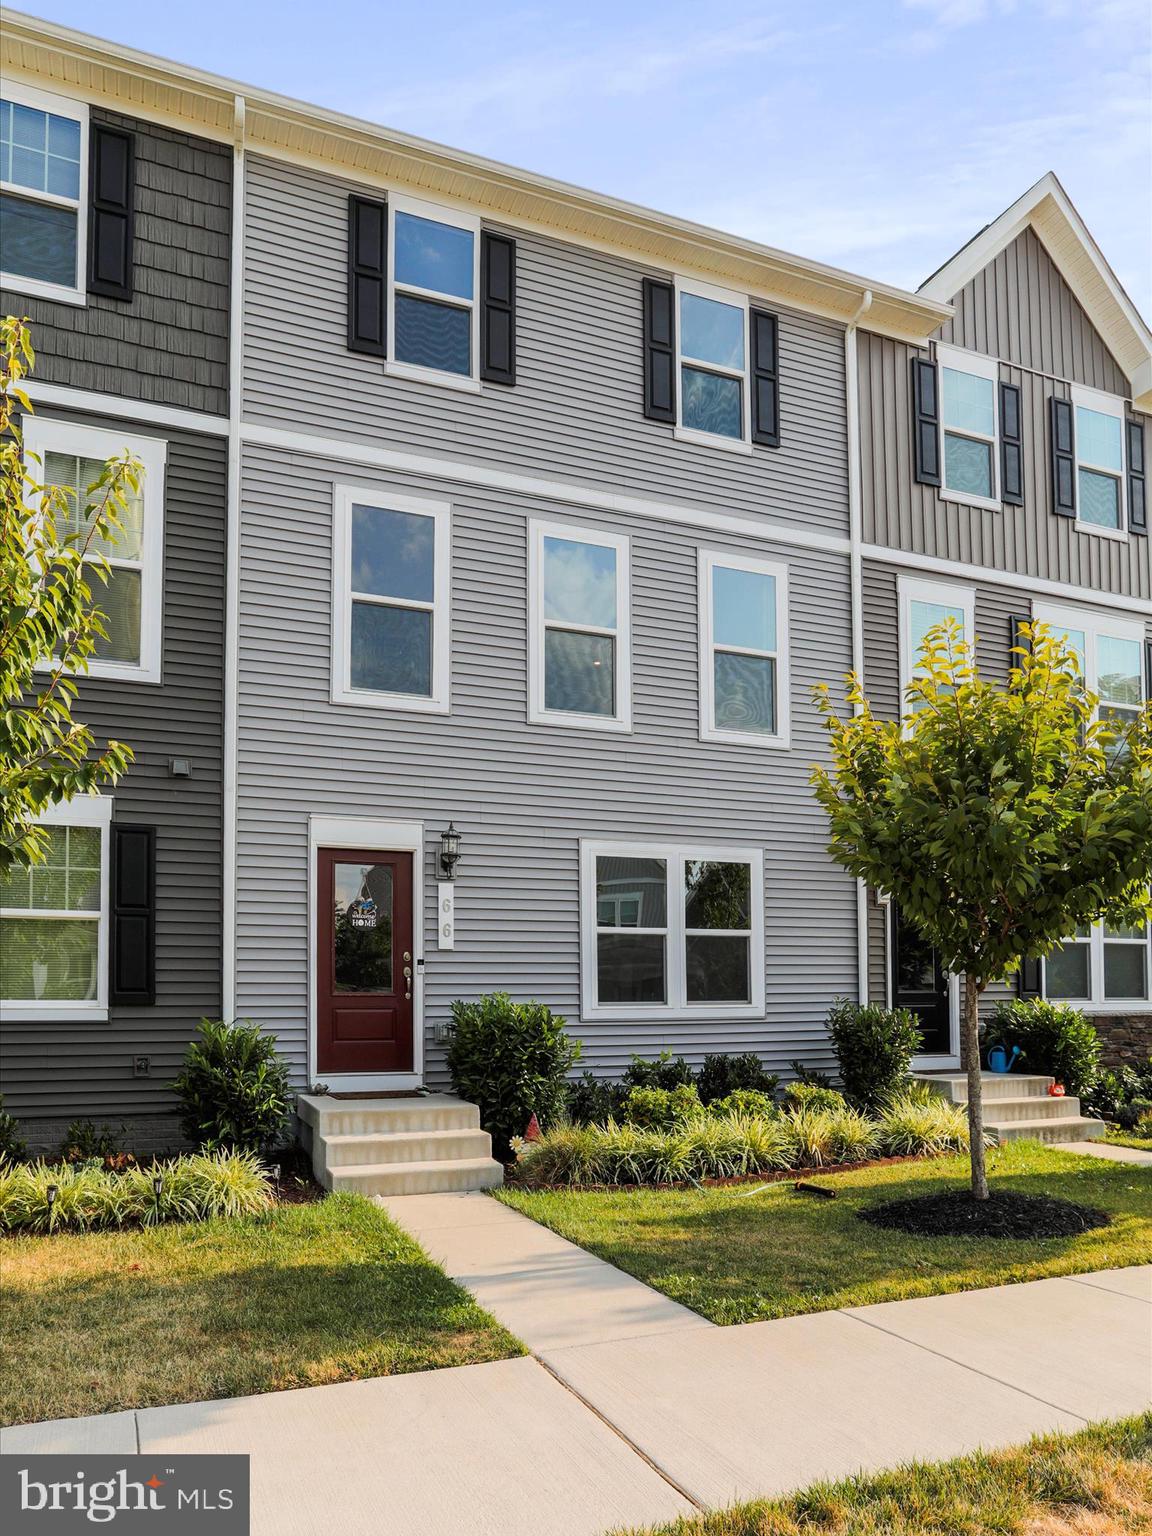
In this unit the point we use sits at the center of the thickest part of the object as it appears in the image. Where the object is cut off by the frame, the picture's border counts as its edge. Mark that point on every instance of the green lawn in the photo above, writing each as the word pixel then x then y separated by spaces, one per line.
pixel 1118 1138
pixel 1094 1483
pixel 744 1252
pixel 303 1295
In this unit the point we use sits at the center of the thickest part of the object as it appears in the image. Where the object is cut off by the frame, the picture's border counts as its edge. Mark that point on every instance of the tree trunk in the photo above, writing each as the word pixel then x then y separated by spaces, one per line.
pixel 972 991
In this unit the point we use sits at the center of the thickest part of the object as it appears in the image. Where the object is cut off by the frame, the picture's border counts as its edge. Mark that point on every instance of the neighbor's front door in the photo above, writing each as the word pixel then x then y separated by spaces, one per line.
pixel 920 984
pixel 365 966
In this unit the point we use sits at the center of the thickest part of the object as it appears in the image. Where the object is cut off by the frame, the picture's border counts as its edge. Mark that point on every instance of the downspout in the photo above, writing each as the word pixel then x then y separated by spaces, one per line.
pixel 856 585
pixel 232 580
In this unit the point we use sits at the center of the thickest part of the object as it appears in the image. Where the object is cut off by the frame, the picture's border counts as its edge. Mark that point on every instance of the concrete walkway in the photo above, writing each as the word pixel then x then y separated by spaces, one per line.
pixel 635 1410
pixel 1110 1153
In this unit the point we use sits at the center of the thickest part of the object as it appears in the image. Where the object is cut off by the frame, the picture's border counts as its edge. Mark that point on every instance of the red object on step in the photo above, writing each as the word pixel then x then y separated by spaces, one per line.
pixel 1056 1091
pixel 533 1131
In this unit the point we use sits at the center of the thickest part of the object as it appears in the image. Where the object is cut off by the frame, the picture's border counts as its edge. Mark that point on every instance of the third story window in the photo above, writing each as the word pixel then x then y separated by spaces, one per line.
pixel 42 167
pixel 1099 459
pixel 435 257
pixel 968 387
pixel 712 337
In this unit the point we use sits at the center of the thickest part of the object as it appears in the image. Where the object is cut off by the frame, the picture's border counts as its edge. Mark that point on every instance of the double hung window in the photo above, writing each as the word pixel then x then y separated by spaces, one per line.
pixel 743 650
pixel 435 269
pixel 968 410
pixel 712 345
pixel 43 166
pixel 579 645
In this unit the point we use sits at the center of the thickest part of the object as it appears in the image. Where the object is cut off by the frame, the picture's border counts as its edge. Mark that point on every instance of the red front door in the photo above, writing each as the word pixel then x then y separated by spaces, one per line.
pixel 365 965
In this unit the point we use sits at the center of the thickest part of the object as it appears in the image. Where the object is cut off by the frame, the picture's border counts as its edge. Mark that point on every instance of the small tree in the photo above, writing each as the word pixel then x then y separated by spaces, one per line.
pixel 1001 818
pixel 49 623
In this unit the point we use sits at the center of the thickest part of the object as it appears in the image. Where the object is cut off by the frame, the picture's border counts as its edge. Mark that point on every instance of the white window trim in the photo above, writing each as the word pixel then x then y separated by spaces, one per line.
pixel 1093 625
pixel 60 106
pixel 912 590
pixel 734 300
pixel 676 1008
pixel 1105 405
pixel 43 435
pixel 344 498
pixel 538 530
pixel 981 367
pixel 83 811
pixel 439 214
pixel 707 561
pixel 1098 1002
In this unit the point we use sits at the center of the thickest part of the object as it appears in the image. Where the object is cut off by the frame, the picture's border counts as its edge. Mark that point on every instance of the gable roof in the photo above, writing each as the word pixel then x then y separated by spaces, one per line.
pixel 1047 209
pixel 140 84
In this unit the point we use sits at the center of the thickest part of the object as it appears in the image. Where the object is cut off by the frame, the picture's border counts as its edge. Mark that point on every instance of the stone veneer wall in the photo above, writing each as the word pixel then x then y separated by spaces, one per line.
pixel 1126 1039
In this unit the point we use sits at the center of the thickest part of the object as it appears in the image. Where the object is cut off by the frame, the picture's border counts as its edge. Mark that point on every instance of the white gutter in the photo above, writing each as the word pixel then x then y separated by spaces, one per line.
pixel 856 585
pixel 232 579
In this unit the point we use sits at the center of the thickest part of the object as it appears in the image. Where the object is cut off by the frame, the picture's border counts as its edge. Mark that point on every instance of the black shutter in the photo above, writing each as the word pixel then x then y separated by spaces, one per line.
pixel 1137 498
pixel 111 184
pixel 133 979
pixel 765 378
pixel 1017 641
pixel 1029 981
pixel 925 422
pixel 497 309
pixel 1011 447
pixel 367 275
pixel 659 350
pixel 1062 445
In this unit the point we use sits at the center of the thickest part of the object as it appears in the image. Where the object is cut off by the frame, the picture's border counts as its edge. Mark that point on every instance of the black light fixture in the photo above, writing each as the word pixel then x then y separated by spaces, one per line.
pixel 158 1190
pixel 449 851
pixel 51 1192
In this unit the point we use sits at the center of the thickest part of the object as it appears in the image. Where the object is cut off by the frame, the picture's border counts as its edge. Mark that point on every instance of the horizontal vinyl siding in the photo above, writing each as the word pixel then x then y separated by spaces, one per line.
pixel 576 410
pixel 1020 309
pixel 169 344
pixel 65 1070
pixel 1029 539
pixel 523 795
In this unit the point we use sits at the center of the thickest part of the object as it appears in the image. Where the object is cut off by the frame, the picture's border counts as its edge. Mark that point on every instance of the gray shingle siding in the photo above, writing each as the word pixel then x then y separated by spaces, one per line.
pixel 58 1071
pixel 169 344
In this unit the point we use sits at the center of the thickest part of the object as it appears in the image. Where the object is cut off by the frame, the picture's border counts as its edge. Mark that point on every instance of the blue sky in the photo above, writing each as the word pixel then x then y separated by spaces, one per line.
pixel 877 135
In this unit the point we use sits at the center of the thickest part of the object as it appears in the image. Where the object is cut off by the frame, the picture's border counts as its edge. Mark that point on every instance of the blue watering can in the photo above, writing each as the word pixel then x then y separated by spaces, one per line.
pixel 1000 1061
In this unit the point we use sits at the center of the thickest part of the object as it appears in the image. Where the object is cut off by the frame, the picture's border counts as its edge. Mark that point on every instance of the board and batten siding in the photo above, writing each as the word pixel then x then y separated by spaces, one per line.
pixel 61 1071
pixel 523 795
pixel 576 410
pixel 168 345
pixel 1020 309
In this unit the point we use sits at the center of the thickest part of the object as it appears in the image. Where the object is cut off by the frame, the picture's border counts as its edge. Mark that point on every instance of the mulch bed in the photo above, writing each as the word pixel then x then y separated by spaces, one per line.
pixel 1004 1214
pixel 296 1186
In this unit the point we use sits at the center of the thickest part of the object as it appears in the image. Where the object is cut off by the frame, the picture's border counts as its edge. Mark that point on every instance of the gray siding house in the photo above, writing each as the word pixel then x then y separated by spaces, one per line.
pixel 505 532
pixel 115 244
pixel 1003 481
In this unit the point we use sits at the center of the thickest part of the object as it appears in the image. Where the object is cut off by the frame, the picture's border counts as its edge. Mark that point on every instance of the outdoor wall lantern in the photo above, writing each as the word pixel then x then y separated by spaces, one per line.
pixel 449 851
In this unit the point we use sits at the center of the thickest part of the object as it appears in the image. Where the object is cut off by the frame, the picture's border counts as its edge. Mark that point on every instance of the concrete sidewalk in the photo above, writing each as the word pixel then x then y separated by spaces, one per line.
pixel 635 1409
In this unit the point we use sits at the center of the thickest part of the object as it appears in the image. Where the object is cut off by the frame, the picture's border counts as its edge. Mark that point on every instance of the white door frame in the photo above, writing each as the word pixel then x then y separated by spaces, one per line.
pixel 939 1063
pixel 384 837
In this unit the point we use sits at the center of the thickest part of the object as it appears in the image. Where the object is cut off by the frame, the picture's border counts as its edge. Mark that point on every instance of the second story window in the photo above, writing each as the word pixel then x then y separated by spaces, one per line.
pixel 968 415
pixel 72 458
pixel 435 260
pixel 1110 652
pixel 743 650
pixel 390 603
pixel 924 606
pixel 43 159
pixel 579 663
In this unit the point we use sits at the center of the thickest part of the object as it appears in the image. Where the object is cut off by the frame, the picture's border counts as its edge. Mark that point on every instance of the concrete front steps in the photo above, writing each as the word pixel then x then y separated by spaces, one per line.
pixel 1018 1108
pixel 418 1145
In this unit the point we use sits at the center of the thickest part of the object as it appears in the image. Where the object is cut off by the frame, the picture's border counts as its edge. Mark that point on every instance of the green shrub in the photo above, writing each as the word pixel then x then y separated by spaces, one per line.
pixel 667 1071
pixel 590 1100
pixel 823 1135
pixel 744 1101
pixel 511 1059
pixel 659 1109
pixel 706 1147
pixel 233 1090
pixel 919 1122
pixel 13 1147
pixel 723 1075
pixel 1054 1039
pixel 874 1047
pixel 1113 1091
pixel 84 1142
pixel 1129 1115
pixel 810 1075
pixel 88 1197
pixel 813 1096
